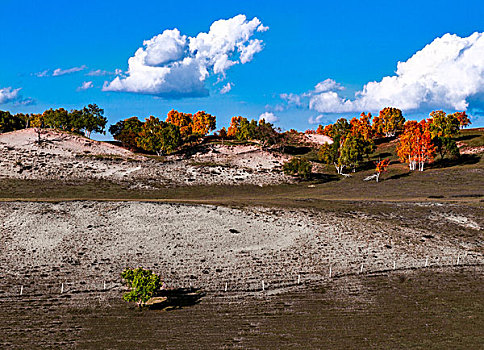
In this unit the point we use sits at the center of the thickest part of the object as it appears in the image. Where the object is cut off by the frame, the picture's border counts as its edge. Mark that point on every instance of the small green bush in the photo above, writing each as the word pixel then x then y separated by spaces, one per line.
pixel 298 167
pixel 143 284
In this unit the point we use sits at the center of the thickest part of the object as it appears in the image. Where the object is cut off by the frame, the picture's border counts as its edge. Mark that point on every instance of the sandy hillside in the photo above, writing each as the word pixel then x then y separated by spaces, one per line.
pixel 83 243
pixel 67 156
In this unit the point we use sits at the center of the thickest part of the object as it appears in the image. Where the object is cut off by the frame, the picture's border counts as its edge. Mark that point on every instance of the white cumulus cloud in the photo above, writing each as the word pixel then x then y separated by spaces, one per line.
pixel 11 95
pixel 85 85
pixel 172 65
pixel 446 73
pixel 327 85
pixel 269 117
pixel 8 94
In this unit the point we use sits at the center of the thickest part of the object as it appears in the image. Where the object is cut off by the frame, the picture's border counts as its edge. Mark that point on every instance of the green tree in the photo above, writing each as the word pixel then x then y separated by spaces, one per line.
pixel 143 284
pixel 392 120
pixel 443 128
pixel 57 119
pixel 266 133
pixel 331 153
pixel 247 130
pixel 352 151
pixel 158 136
pixel 93 120
pixel 9 122
pixel 298 167
pixel 127 131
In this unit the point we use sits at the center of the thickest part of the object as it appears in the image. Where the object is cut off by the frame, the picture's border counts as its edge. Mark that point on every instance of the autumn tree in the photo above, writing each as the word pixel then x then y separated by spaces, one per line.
pixel 126 131
pixel 242 129
pixel 380 167
pixel 182 120
pixel 464 120
pixel 37 120
pixel 234 126
pixel 362 131
pixel 389 122
pixel 158 136
pixel 443 128
pixel 222 133
pixel 415 144
pixel 203 123
pixel 326 130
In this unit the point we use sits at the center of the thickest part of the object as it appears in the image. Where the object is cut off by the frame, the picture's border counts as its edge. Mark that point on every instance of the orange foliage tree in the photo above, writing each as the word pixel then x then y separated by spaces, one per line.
pixel 389 122
pixel 203 123
pixel 381 167
pixel 463 119
pixel 415 144
pixel 362 130
pixel 182 120
pixel 362 126
pixel 234 126
pixel 324 130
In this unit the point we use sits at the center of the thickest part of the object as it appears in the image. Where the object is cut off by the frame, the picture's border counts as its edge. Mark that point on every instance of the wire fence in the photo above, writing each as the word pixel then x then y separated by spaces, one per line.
pixel 255 282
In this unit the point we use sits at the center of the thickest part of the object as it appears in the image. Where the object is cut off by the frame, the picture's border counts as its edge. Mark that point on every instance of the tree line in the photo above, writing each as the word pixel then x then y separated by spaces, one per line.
pixel 418 142
pixel 83 121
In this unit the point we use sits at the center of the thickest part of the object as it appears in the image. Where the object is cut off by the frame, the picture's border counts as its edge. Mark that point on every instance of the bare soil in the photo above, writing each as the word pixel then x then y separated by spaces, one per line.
pixel 345 263
pixel 67 157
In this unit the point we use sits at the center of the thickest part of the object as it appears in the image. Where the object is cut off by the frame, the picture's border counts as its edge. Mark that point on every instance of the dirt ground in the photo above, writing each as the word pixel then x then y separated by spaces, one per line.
pixel 66 257
pixel 64 156
pixel 306 265
pixel 87 243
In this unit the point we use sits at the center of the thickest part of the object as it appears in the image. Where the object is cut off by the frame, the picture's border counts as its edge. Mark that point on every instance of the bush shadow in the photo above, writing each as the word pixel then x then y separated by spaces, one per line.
pixel 176 298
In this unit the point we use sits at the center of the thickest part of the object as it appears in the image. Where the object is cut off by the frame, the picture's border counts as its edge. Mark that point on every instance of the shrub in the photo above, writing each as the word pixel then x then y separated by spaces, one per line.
pixel 143 284
pixel 298 167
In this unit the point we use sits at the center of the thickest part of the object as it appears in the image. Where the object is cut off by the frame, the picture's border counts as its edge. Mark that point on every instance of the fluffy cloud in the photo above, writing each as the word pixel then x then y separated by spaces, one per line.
pixel 293 99
pixel 269 117
pixel 327 85
pixel 226 88
pixel 85 85
pixel 8 94
pixel 446 73
pixel 172 65
pixel 11 95
pixel 58 72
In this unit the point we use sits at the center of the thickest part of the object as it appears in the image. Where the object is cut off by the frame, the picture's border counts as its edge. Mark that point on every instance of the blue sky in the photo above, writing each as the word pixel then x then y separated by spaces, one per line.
pixel 350 42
